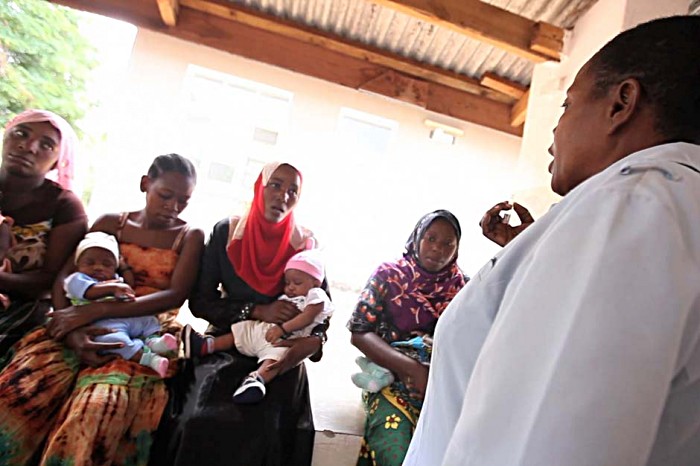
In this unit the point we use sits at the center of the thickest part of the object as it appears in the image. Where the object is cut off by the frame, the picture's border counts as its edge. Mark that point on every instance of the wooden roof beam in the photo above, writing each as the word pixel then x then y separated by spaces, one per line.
pixel 240 14
pixel 536 41
pixel 310 59
pixel 400 87
pixel 444 100
pixel 168 11
pixel 503 85
pixel 519 110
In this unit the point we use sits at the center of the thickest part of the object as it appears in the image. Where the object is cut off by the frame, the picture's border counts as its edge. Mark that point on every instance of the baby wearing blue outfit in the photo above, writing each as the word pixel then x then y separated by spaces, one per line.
pixel 97 261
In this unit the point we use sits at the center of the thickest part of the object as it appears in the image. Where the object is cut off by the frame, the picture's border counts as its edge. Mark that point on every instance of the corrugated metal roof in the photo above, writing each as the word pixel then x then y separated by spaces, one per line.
pixel 366 22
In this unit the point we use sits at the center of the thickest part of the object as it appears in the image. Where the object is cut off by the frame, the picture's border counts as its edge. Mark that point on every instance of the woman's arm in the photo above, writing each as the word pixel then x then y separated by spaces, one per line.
pixel 299 322
pixel 364 325
pixel 299 349
pixel 410 371
pixel 58 294
pixel 207 301
pixel 89 351
pixel 182 279
pixel 383 354
pixel 310 347
pixel 127 274
pixel 61 243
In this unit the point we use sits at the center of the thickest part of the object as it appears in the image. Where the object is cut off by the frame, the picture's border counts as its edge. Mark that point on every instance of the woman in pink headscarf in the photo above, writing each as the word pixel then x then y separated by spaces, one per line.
pixel 48 219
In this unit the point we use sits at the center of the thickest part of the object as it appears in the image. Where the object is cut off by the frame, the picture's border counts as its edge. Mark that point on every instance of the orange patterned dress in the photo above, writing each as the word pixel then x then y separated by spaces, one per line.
pixel 85 416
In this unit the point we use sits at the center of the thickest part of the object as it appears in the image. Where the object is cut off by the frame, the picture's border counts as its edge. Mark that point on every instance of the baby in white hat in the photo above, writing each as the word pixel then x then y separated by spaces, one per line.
pixel 97 262
pixel 303 276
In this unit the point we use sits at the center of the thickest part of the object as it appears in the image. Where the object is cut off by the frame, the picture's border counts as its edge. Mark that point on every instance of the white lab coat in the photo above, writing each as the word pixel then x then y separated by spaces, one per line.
pixel 577 345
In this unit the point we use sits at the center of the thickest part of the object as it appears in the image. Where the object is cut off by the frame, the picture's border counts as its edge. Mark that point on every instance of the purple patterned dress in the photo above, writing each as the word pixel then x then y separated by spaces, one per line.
pixel 399 301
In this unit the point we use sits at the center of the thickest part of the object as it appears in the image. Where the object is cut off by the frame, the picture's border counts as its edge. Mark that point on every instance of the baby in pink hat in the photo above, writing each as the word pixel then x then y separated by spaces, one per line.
pixel 303 276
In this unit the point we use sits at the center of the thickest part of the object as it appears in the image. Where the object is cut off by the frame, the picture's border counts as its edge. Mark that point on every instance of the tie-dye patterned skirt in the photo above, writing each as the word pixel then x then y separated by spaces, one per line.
pixel 56 413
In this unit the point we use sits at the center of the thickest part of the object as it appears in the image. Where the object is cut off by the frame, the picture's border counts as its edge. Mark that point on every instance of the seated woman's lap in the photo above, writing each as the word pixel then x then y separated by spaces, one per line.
pixel 37 377
pixel 391 420
pixel 210 428
pixel 88 416
pixel 109 417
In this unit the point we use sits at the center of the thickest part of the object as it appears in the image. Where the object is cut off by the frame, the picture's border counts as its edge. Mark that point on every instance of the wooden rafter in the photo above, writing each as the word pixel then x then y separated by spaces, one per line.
pixel 444 100
pixel 311 56
pixel 547 40
pixel 399 87
pixel 503 85
pixel 517 91
pixel 519 111
pixel 487 23
pixel 236 12
pixel 168 11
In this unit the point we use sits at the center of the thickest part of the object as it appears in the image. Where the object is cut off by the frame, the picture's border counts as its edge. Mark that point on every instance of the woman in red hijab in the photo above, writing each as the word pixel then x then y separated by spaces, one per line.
pixel 241 276
pixel 263 240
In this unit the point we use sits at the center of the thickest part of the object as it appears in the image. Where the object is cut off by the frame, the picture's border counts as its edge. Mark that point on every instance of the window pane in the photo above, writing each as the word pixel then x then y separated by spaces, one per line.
pixel 365 132
pixel 221 172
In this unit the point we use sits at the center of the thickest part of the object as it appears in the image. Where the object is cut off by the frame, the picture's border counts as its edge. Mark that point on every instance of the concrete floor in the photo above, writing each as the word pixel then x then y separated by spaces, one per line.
pixel 338 413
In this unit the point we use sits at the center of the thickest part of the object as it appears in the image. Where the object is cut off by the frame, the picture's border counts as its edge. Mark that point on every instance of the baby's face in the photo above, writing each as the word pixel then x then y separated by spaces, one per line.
pixel 298 283
pixel 97 263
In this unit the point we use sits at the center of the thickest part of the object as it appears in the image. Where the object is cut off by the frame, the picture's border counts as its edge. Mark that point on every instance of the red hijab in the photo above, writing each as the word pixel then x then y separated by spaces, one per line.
pixel 259 249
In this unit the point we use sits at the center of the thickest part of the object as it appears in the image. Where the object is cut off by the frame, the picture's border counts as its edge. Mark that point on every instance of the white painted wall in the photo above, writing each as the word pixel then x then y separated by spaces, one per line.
pixel 639 11
pixel 550 80
pixel 547 92
pixel 361 208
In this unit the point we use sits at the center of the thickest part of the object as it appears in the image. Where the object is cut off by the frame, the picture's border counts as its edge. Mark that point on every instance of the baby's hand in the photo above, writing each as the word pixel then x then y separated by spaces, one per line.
pixel 123 292
pixel 273 334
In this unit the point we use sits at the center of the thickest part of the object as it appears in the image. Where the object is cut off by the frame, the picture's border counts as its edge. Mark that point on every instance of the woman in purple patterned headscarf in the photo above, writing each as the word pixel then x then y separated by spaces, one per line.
pixel 403 300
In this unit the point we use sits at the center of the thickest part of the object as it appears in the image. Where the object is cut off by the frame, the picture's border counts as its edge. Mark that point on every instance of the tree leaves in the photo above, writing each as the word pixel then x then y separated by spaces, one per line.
pixel 45 61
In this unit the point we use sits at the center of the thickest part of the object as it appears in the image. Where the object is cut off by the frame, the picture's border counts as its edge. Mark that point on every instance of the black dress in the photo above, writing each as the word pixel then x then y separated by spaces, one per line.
pixel 202 425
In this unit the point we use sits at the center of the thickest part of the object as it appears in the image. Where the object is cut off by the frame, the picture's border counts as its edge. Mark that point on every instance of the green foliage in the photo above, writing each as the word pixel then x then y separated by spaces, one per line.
pixel 45 62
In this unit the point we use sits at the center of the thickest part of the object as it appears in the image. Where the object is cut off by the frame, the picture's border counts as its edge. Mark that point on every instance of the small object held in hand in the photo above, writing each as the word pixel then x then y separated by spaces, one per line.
pixel 505 218
pixel 373 377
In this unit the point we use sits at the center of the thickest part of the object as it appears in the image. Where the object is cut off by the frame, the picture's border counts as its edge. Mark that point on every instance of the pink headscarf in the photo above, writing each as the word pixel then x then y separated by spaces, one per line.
pixel 66 148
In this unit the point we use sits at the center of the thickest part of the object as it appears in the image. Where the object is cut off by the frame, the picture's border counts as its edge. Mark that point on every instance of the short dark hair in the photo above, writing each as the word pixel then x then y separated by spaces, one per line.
pixel 172 163
pixel 664 56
